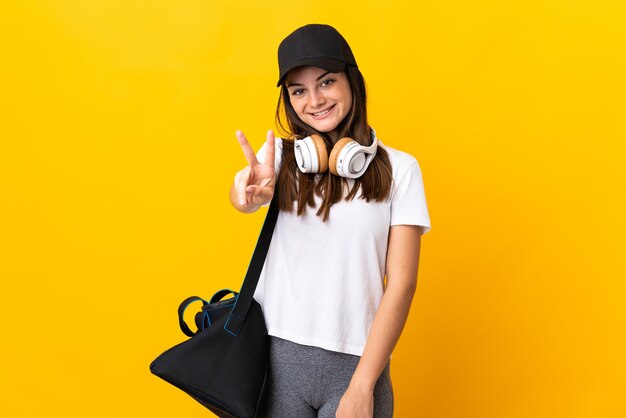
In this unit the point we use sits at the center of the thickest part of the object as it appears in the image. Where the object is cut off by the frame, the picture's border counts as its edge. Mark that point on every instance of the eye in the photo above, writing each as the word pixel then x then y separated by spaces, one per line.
pixel 297 92
pixel 327 82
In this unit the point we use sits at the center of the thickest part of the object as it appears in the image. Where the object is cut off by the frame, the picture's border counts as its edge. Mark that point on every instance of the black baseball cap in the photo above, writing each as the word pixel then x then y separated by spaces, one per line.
pixel 318 45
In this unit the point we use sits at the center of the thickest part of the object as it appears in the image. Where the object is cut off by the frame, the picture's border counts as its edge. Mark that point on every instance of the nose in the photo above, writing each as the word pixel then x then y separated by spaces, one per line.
pixel 316 99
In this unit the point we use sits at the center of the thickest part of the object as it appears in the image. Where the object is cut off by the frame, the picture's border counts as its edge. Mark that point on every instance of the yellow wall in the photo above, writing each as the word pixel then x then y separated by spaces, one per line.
pixel 117 149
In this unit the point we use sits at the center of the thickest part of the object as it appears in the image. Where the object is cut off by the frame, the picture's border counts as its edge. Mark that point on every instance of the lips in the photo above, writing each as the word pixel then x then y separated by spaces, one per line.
pixel 323 113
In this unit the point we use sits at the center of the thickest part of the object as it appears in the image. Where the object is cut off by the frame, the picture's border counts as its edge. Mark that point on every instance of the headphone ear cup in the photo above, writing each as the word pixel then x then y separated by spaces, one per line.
pixel 311 154
pixel 334 154
pixel 322 154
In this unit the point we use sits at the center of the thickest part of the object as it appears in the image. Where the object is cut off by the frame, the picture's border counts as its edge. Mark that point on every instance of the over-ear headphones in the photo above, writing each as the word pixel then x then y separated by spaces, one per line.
pixel 348 158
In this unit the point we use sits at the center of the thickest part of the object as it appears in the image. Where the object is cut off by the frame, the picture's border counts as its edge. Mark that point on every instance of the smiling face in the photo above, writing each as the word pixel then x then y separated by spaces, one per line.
pixel 321 99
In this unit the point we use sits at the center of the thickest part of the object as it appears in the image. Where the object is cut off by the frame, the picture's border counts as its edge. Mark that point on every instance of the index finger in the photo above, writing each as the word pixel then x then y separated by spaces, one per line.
pixel 248 152
pixel 269 150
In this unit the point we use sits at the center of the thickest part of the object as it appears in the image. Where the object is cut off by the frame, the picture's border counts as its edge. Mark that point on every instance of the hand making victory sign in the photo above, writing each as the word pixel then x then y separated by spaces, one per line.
pixel 254 185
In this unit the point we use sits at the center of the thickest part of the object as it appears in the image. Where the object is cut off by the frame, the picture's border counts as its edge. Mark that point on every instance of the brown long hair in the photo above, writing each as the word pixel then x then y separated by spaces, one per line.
pixel 295 186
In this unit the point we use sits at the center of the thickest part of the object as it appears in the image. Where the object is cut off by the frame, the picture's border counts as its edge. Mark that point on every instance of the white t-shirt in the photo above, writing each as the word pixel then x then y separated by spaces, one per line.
pixel 322 282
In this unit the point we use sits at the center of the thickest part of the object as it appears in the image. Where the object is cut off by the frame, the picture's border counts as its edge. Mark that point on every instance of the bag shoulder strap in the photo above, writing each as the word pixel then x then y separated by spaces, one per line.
pixel 244 298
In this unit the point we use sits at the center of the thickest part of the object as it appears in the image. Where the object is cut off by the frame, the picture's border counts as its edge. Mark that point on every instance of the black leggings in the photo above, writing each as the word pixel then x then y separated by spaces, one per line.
pixel 306 381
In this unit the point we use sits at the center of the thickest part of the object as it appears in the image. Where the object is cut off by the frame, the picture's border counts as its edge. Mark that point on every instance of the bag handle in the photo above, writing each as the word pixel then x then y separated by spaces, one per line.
pixel 220 295
pixel 181 311
pixel 238 315
pixel 202 316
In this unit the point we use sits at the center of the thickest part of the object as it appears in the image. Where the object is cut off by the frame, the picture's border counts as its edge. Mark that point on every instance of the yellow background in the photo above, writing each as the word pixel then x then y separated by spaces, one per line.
pixel 117 150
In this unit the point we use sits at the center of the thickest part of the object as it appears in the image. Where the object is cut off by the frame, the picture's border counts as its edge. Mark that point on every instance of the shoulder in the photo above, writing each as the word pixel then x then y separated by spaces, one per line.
pixel 406 172
pixel 278 144
pixel 278 147
pixel 400 160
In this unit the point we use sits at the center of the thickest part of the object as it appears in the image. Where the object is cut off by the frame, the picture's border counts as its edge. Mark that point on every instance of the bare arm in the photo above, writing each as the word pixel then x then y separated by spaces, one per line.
pixel 402 265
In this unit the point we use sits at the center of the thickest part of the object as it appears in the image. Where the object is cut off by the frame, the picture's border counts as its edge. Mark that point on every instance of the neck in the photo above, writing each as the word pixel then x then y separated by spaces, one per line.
pixel 334 136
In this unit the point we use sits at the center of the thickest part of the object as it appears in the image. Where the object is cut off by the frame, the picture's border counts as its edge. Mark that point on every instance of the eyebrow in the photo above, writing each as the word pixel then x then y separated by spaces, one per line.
pixel 317 79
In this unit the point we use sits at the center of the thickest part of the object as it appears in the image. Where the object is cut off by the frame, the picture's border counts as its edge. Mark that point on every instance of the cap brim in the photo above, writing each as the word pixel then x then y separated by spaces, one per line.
pixel 329 64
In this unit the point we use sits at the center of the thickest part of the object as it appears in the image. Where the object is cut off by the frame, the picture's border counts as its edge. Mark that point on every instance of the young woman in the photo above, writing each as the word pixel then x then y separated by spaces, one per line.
pixel 352 212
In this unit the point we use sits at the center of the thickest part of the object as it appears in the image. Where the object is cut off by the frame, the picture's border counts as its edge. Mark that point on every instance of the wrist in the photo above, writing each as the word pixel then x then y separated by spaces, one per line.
pixel 362 385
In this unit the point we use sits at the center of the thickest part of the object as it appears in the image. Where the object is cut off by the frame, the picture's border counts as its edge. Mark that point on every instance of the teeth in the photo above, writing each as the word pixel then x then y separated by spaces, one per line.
pixel 323 112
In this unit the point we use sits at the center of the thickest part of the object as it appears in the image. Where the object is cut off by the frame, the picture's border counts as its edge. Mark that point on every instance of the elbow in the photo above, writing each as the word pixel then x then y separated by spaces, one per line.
pixel 407 286
pixel 411 287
